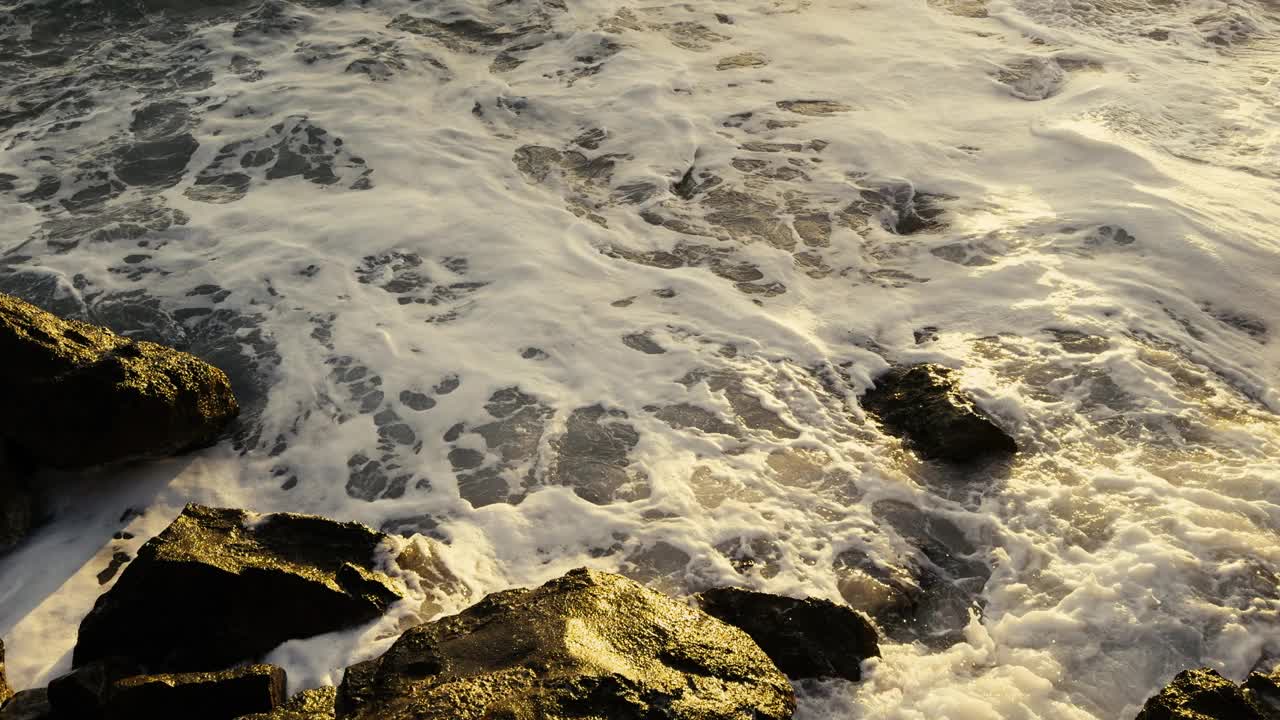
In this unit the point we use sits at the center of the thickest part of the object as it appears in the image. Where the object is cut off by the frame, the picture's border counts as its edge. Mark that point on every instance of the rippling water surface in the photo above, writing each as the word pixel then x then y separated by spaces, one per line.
pixel 593 283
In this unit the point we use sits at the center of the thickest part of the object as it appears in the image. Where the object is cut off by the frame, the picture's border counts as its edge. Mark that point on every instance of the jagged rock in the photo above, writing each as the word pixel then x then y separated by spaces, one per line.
pixel 82 692
pixel 77 395
pixel 221 586
pixel 224 695
pixel 6 692
pixel 27 705
pixel 1202 694
pixel 810 638
pixel 314 704
pixel 587 645
pixel 924 404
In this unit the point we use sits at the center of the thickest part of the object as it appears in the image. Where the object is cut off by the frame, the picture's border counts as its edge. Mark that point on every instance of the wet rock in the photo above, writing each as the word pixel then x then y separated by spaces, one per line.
pixel 924 405
pixel 6 692
pixel 589 644
pixel 810 638
pixel 1201 694
pixel 225 695
pixel 220 586
pixel 78 395
pixel 27 705
pixel 315 704
pixel 83 692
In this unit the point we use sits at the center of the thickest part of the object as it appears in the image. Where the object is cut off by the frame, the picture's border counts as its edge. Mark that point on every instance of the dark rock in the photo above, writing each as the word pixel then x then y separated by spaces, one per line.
pixel 27 705
pixel 77 395
pixel 810 638
pixel 6 692
pixel 221 586
pixel 924 404
pixel 589 644
pixel 1264 688
pixel 224 695
pixel 17 504
pixel 82 692
pixel 314 704
pixel 1201 694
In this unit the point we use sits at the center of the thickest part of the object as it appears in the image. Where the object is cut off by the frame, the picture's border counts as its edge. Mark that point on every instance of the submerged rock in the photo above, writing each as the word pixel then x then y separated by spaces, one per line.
pixel 220 586
pixel 225 695
pixel 925 405
pixel 1202 694
pixel 316 704
pixel 77 395
pixel 927 589
pixel 810 638
pixel 6 692
pixel 27 705
pixel 586 645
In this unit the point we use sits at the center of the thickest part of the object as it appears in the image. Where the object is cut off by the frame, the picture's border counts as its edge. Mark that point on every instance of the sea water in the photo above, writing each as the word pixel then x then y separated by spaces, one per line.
pixel 548 284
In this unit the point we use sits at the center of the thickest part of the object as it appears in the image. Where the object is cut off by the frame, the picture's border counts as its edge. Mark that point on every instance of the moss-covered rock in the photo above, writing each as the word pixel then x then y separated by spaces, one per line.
pixel 222 586
pixel 1202 694
pixel 76 395
pixel 224 695
pixel 925 405
pixel 586 645
pixel 316 704
pixel 6 692
pixel 811 638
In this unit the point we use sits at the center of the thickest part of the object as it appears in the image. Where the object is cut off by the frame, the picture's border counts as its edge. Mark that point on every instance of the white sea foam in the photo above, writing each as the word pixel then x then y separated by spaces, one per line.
pixel 1103 275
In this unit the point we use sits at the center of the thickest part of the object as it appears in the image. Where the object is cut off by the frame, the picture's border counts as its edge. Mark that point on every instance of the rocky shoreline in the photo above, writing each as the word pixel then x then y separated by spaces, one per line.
pixel 184 628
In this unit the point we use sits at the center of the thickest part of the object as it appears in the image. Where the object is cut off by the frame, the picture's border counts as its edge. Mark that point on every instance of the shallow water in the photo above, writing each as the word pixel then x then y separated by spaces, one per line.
pixel 564 284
